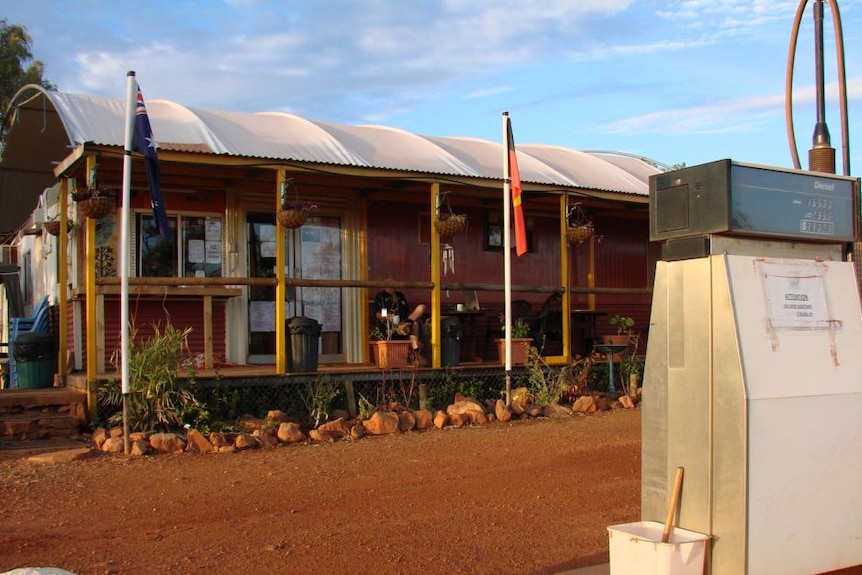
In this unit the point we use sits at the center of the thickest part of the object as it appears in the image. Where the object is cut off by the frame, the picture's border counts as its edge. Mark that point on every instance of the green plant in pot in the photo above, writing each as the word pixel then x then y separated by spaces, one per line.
pixel 624 326
pixel 521 342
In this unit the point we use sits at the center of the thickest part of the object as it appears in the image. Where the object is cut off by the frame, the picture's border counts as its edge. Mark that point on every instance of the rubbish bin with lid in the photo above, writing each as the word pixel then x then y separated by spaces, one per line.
pixel 450 342
pixel 35 359
pixel 303 343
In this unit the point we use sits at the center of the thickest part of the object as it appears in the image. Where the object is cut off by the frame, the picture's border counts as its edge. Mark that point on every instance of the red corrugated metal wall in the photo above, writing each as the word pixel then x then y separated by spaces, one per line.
pixel 180 313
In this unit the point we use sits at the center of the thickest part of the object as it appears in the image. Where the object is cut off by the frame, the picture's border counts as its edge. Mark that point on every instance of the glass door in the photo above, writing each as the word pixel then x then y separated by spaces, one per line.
pixel 312 251
pixel 319 256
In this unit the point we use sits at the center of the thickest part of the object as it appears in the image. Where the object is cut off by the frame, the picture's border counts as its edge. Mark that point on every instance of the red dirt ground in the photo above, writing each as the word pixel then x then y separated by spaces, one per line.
pixel 525 497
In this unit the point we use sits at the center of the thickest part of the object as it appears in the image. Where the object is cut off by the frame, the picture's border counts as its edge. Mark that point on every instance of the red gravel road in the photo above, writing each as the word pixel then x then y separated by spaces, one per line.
pixel 524 497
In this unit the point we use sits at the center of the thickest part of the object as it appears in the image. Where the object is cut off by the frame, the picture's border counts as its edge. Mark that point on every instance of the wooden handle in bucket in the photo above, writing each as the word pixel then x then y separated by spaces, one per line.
pixel 674 503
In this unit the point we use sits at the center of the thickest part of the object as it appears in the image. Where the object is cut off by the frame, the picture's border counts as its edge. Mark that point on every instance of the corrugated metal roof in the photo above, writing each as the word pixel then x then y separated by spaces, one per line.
pixel 280 136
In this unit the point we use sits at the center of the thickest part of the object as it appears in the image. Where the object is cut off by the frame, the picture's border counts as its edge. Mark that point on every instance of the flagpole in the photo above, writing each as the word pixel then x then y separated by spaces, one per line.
pixel 507 259
pixel 131 94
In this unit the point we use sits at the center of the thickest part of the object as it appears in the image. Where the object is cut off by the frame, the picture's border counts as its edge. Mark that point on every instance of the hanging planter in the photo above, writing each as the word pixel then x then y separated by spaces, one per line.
pixel 53 227
pixel 449 223
pixel 580 233
pixel 294 212
pixel 579 228
pixel 95 203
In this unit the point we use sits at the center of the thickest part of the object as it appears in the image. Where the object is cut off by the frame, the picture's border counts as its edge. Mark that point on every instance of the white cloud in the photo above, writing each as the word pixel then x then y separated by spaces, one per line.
pixel 735 115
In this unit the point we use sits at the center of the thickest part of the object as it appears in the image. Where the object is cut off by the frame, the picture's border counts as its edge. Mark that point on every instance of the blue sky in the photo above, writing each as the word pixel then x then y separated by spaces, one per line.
pixel 680 81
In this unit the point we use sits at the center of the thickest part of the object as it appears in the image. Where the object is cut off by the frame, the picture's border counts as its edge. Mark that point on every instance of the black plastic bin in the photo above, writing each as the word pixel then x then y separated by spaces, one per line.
pixel 450 341
pixel 302 344
pixel 35 359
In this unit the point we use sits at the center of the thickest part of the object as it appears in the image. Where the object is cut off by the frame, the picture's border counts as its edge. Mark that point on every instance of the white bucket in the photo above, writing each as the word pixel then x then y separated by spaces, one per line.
pixel 636 549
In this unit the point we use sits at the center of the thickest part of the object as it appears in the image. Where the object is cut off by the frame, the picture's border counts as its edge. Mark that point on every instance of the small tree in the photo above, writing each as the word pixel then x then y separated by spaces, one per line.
pixel 17 68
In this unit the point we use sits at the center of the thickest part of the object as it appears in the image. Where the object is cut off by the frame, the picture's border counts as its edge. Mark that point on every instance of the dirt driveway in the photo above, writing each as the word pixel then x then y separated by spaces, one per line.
pixel 525 497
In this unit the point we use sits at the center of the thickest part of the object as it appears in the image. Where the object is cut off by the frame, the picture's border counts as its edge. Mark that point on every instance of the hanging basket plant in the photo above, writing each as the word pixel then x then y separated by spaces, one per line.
pixel 95 202
pixel 294 211
pixel 579 228
pixel 53 227
pixel 449 223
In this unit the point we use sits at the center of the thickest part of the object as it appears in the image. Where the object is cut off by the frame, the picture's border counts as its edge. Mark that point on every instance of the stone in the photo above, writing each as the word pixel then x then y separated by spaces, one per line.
pixel 335 428
pixel 321 436
pixel 167 443
pixel 476 417
pixel 602 404
pixel 627 402
pixel 424 419
pixel 115 432
pixel 584 404
pixel 290 432
pixel 268 440
pixel 381 423
pixel 501 412
pixel 99 437
pixel 246 441
pixel 64 456
pixel 219 440
pixel 277 416
pixel 250 423
pixel 113 445
pixel 516 407
pixel 441 420
pixel 196 442
pixel 464 406
pixel 139 447
pixel 135 435
pixel 406 421
pixel 357 430
pixel 458 419
pixel 556 410
pixel 521 395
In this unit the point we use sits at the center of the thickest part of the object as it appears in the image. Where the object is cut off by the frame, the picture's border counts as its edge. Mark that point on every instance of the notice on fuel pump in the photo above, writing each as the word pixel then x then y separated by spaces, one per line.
pixel 796 296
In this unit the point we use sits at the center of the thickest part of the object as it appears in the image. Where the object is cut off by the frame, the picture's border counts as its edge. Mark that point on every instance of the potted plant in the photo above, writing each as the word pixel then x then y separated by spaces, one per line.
pixel 95 202
pixel 521 343
pixel 294 211
pixel 623 325
pixel 387 352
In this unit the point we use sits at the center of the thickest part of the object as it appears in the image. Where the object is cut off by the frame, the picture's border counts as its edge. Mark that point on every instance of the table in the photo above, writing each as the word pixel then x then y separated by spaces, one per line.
pixel 610 349
pixel 468 333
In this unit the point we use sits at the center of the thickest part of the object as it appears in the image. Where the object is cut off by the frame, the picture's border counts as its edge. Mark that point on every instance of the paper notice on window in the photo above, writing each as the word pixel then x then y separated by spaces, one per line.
pixel 213 230
pixel 267 249
pixel 796 296
pixel 196 251
pixel 261 316
pixel 213 252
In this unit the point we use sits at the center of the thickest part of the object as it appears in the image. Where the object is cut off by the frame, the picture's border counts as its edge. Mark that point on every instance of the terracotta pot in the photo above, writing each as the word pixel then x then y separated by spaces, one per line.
pixel 520 349
pixel 390 354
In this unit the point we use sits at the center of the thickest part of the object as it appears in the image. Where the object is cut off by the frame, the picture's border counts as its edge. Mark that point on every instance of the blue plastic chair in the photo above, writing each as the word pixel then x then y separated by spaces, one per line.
pixel 36 322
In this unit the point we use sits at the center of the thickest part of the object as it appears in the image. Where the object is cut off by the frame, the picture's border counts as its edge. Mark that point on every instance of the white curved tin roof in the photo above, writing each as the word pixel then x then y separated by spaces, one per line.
pixel 281 136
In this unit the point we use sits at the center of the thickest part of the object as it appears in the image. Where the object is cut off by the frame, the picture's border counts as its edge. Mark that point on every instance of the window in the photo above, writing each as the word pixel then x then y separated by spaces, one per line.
pixel 197 250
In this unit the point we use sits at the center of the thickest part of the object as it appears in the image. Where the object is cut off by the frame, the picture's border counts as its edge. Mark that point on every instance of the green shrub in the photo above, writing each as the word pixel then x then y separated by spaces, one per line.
pixel 158 400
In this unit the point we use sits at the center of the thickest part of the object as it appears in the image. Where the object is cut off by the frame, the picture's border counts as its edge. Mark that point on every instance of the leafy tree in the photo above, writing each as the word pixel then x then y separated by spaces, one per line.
pixel 17 68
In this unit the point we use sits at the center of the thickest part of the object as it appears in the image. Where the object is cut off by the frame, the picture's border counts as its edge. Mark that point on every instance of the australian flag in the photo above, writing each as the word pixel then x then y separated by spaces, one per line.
pixel 144 143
